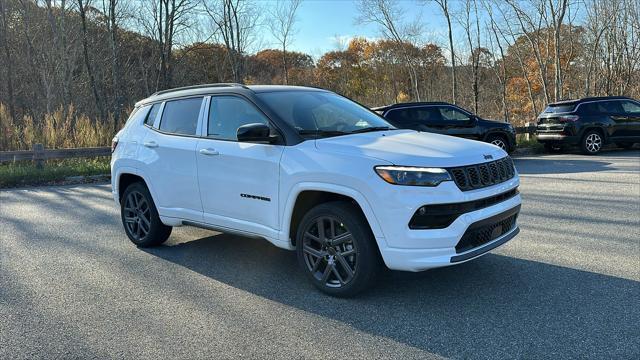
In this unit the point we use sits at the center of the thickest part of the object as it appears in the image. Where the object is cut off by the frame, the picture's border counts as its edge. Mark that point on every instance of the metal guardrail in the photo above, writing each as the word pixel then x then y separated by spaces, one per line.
pixel 39 154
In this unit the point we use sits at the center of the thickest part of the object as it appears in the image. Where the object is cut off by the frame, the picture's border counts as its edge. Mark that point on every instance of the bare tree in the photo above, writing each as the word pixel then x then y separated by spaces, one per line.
pixel 4 42
pixel 532 29
pixel 82 5
pixel 282 26
pixel 596 25
pixel 444 6
pixel 61 55
pixel 387 15
pixel 164 21
pixel 465 19
pixel 520 58
pixel 235 22
pixel 501 69
pixel 558 11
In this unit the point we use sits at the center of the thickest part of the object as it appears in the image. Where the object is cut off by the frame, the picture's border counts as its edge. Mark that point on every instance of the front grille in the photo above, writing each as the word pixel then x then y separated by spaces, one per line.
pixel 482 175
pixel 440 216
pixel 483 232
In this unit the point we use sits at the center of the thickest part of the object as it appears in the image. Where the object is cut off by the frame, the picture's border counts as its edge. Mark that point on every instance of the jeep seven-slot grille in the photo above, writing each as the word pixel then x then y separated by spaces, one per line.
pixel 482 175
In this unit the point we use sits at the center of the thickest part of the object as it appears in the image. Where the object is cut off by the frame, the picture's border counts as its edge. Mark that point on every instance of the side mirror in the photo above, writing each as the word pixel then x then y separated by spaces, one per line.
pixel 256 133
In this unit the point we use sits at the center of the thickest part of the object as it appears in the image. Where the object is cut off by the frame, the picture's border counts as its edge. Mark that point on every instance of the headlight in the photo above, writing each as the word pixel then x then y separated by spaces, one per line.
pixel 414 176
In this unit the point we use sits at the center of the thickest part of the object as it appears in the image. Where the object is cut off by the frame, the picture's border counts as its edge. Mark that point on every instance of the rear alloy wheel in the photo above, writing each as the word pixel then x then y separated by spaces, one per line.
pixel 498 141
pixel 140 217
pixel 592 142
pixel 336 249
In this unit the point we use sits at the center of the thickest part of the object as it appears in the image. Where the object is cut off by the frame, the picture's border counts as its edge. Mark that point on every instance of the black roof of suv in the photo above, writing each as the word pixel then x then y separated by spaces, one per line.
pixel 575 102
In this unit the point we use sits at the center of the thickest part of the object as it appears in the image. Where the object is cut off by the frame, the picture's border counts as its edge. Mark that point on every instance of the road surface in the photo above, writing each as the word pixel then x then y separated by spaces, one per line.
pixel 72 286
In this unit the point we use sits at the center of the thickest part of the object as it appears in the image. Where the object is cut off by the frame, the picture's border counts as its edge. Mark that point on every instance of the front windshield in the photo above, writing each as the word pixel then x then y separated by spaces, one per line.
pixel 315 113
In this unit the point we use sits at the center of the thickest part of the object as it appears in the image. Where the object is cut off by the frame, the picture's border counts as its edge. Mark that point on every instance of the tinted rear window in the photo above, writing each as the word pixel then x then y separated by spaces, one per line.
pixel 181 116
pixel 557 109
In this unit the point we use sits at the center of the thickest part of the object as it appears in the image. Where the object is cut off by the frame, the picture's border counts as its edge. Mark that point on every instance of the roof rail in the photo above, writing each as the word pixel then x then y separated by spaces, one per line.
pixel 200 86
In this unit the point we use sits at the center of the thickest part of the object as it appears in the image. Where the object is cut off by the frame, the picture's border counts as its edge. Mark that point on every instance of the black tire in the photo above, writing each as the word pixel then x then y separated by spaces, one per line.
pixel 552 148
pixel 624 145
pixel 151 231
pixel 498 140
pixel 318 258
pixel 592 142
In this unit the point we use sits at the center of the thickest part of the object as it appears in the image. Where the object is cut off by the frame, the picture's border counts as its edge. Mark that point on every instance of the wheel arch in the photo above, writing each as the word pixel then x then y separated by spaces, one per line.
pixel 502 134
pixel 126 176
pixel 305 196
pixel 600 129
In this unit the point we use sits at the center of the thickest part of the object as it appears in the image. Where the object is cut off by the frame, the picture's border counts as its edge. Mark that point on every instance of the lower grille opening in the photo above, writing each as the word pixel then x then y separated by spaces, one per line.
pixel 487 230
pixel 439 216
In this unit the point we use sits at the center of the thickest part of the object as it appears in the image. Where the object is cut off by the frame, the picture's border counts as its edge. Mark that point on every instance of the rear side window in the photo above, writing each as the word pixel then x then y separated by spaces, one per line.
pixel 592 108
pixel 414 115
pixel 631 107
pixel 181 116
pixel 611 107
pixel 451 114
pixel 151 117
pixel 228 113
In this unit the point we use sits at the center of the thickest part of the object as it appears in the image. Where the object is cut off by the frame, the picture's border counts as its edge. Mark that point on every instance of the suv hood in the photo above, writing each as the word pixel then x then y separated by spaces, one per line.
pixel 413 148
pixel 494 123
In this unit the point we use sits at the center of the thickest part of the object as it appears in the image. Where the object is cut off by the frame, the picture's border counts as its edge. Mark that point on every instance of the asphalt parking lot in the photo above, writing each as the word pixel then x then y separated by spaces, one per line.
pixel 72 286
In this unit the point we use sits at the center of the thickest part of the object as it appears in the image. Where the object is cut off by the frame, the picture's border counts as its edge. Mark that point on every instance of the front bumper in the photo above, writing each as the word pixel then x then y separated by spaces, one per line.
pixel 556 138
pixel 417 250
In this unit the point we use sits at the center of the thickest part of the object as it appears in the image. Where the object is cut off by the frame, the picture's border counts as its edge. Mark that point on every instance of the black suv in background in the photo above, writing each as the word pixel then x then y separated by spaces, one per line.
pixel 449 119
pixel 590 123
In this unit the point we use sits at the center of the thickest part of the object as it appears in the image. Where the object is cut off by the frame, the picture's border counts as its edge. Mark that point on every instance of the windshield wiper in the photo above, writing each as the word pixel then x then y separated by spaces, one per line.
pixel 370 129
pixel 322 132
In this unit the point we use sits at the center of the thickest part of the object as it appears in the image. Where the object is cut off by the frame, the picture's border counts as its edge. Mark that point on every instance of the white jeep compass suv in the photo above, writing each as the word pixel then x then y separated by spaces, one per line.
pixel 310 170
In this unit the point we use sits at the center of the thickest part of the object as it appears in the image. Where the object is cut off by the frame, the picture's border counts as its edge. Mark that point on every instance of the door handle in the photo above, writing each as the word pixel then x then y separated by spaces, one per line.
pixel 209 152
pixel 151 144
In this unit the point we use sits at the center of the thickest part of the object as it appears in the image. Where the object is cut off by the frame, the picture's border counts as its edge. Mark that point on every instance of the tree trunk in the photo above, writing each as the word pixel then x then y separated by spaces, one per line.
pixel 87 62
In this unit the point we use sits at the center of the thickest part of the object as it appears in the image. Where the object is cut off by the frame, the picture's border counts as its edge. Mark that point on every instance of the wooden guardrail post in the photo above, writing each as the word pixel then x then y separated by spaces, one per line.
pixel 38 156
pixel 527 135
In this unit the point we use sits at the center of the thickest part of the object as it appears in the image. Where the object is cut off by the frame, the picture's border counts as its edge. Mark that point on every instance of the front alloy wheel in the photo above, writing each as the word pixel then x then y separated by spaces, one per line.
pixel 336 249
pixel 499 143
pixel 329 252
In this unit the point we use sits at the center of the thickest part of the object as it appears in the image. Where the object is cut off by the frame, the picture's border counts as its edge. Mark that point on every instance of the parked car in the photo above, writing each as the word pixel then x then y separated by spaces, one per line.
pixel 449 119
pixel 310 170
pixel 590 123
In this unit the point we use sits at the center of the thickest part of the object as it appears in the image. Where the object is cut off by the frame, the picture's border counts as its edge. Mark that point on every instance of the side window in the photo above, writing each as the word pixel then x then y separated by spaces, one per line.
pixel 228 113
pixel 181 116
pixel 414 115
pixel 452 114
pixel 631 107
pixel 151 117
pixel 611 107
pixel 591 108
